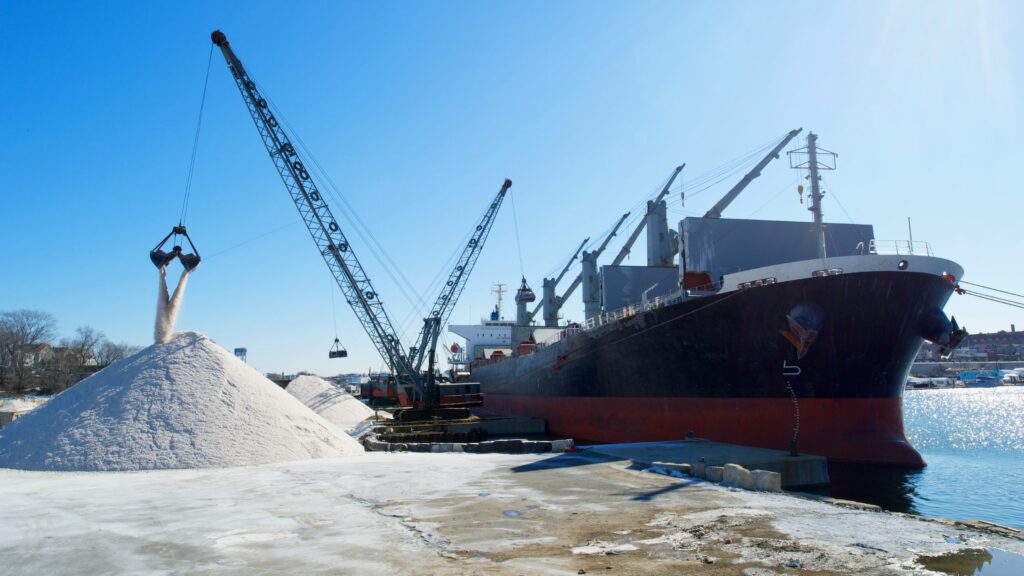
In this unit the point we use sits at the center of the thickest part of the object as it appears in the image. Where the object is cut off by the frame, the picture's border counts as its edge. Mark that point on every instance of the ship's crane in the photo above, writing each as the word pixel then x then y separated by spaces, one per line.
pixel 716 210
pixel 548 298
pixel 551 303
pixel 337 251
pixel 646 221
pixel 587 256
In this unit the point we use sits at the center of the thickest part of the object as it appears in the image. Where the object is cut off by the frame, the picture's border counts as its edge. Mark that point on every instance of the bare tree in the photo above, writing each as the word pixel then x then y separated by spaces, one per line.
pixel 74 359
pixel 109 352
pixel 24 330
pixel 85 344
pixel 6 350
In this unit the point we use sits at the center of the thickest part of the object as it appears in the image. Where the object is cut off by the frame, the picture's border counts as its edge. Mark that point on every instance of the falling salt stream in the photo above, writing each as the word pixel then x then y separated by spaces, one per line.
pixel 184 402
pixel 167 308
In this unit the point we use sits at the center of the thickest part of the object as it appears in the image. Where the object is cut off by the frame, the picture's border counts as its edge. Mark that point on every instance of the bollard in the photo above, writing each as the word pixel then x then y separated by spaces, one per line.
pixel 764 481
pixel 713 473
pixel 735 475
pixel 698 469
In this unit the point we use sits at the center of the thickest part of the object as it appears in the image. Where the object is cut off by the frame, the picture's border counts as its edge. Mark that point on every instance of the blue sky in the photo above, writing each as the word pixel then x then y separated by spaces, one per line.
pixel 419 110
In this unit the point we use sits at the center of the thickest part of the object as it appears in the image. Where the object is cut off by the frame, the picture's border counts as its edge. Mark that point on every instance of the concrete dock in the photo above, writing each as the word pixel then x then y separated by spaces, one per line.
pixel 801 471
pixel 447 514
pixel 480 433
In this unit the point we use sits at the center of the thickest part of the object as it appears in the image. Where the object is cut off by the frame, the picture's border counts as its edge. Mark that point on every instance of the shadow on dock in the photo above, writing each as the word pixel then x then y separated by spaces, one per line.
pixel 581 457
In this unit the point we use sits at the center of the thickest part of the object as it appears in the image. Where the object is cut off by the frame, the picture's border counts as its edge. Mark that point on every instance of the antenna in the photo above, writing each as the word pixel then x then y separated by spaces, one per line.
pixel 499 289
pixel 813 159
pixel 911 232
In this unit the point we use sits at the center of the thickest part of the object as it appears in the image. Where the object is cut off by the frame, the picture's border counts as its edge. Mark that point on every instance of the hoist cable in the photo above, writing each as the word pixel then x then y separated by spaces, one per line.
pixel 334 311
pixel 835 196
pixel 195 143
pixel 774 196
pixel 349 213
pixel 519 245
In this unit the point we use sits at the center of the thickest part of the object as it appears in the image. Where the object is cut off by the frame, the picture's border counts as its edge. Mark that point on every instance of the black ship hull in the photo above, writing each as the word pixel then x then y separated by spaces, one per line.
pixel 819 360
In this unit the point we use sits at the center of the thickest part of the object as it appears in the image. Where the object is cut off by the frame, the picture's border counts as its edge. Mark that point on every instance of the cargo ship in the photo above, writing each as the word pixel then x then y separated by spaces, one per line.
pixel 790 335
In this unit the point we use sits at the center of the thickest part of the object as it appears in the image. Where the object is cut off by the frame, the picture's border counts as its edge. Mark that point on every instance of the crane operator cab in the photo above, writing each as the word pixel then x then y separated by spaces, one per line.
pixel 160 258
pixel 337 351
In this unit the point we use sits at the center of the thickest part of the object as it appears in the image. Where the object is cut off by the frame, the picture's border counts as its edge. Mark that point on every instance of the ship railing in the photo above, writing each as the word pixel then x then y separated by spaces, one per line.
pixel 609 317
pixel 900 247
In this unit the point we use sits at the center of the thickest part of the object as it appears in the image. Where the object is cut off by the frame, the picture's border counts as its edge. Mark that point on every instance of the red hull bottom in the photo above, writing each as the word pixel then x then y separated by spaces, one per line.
pixel 863 430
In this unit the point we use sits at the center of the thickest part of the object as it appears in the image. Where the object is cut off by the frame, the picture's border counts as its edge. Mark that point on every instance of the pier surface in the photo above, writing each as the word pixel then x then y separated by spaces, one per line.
pixel 447 514
pixel 801 471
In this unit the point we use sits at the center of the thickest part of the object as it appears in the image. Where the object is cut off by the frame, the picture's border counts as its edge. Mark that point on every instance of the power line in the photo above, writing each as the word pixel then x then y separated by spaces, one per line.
pixel 253 239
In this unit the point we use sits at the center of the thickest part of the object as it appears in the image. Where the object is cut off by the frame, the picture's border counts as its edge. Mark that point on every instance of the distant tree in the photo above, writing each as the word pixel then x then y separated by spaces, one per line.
pixel 85 344
pixel 61 369
pixel 109 352
pixel 6 350
pixel 74 359
pixel 22 331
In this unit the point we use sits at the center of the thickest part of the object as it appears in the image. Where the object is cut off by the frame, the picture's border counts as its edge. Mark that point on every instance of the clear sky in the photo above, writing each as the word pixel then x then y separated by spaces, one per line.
pixel 419 110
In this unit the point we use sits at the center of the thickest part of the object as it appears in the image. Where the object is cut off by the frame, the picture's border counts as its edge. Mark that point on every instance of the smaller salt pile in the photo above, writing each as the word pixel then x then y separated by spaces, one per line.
pixel 337 407
pixel 187 403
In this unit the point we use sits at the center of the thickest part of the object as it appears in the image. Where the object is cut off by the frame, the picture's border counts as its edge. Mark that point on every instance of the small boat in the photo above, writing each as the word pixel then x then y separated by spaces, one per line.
pixel 980 379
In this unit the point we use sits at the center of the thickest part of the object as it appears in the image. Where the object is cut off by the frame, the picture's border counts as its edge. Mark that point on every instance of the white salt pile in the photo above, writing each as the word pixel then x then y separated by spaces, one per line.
pixel 341 409
pixel 187 403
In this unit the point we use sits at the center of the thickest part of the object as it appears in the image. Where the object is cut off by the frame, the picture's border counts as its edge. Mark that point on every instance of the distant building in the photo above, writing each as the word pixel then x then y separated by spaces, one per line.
pixel 991 346
pixel 33 355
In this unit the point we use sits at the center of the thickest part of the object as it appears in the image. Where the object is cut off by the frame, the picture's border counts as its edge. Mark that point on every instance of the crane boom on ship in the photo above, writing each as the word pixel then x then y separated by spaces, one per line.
pixel 644 221
pixel 600 249
pixel 337 250
pixel 554 281
pixel 716 210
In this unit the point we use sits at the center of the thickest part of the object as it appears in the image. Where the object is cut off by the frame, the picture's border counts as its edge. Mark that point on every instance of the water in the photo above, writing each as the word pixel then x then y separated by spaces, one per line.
pixel 973 442
pixel 988 561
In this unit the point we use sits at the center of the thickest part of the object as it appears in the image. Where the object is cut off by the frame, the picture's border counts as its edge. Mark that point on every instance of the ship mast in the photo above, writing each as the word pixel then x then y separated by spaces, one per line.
pixel 813 164
pixel 819 223
pixel 499 289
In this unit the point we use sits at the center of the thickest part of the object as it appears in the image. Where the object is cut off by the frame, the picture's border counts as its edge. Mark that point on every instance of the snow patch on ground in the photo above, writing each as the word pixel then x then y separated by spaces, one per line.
pixel 17 405
pixel 411 513
pixel 187 403
pixel 600 547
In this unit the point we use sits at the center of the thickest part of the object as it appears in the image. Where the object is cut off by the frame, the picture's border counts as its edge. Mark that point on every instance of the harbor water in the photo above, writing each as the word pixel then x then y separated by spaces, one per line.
pixel 973 442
